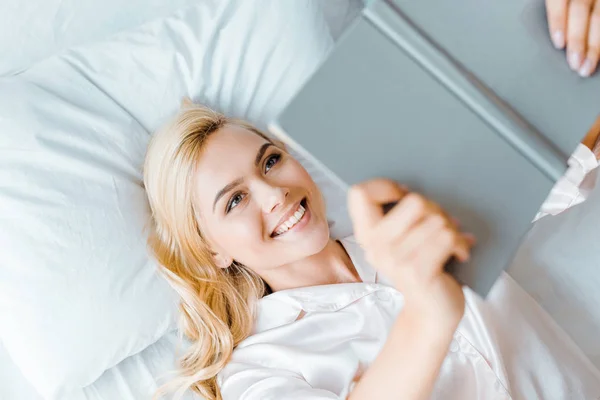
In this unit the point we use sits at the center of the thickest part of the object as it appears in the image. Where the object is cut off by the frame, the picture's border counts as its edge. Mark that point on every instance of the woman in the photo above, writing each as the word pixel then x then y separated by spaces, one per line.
pixel 276 309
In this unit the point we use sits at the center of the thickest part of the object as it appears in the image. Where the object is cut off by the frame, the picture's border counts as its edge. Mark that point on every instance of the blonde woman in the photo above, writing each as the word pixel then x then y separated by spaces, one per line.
pixel 276 309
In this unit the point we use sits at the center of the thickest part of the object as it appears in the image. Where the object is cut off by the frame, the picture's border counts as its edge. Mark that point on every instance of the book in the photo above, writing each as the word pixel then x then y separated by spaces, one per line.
pixel 467 103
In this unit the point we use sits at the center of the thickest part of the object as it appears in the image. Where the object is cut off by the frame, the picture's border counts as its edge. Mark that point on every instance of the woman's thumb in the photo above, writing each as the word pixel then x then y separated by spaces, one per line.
pixel 365 201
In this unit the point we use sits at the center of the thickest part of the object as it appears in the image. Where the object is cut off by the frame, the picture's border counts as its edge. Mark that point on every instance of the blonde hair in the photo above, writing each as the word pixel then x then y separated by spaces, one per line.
pixel 217 305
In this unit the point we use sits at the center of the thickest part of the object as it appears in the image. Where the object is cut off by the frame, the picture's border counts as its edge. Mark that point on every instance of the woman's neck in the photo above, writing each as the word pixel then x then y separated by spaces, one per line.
pixel 331 265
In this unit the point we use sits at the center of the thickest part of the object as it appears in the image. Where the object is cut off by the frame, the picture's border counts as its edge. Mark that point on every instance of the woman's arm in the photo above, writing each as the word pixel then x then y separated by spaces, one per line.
pixel 410 244
pixel 410 360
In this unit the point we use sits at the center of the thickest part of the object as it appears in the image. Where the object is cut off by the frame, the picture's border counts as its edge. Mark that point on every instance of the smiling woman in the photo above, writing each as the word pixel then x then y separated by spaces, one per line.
pixel 258 209
pixel 276 309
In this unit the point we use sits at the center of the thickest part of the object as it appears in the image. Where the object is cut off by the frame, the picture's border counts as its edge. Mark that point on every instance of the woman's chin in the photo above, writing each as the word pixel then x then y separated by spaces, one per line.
pixel 319 237
pixel 310 240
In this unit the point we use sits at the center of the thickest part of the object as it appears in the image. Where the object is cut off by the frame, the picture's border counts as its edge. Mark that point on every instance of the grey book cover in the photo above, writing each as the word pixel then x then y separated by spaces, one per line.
pixel 413 92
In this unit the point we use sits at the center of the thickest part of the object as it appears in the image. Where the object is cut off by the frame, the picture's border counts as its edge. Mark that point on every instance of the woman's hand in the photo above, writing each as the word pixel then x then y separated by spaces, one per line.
pixel 411 245
pixel 592 139
pixel 575 24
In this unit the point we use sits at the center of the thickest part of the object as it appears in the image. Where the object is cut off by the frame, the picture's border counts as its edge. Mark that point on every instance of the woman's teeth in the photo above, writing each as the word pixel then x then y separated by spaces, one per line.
pixel 293 220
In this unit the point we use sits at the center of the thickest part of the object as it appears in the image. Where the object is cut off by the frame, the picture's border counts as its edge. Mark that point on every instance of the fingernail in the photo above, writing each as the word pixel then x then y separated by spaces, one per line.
pixel 574 60
pixel 558 38
pixel 586 68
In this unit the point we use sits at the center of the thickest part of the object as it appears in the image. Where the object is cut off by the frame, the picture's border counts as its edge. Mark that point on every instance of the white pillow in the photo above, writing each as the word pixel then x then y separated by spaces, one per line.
pixel 340 14
pixel 78 293
pixel 33 30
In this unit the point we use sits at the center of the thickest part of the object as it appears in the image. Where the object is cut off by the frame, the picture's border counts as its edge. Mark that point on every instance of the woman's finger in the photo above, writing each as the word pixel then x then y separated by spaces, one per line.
pixel 455 222
pixel 407 213
pixel 593 43
pixel 441 247
pixel 557 21
pixel 365 200
pixel 418 237
pixel 462 248
pixel 577 31
pixel 593 138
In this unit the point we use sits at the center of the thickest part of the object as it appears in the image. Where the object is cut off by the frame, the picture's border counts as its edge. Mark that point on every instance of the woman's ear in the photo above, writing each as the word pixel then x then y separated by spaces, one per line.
pixel 220 257
pixel 222 261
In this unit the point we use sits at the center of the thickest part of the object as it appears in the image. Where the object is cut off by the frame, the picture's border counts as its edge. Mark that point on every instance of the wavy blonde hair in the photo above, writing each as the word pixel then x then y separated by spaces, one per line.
pixel 217 305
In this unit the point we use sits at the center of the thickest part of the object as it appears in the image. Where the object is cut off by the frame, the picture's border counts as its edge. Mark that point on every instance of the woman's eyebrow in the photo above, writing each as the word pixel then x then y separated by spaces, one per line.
pixel 261 153
pixel 226 189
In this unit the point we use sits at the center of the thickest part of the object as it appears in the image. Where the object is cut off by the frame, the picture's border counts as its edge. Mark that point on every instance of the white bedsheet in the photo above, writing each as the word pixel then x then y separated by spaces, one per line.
pixel 558 264
pixel 135 378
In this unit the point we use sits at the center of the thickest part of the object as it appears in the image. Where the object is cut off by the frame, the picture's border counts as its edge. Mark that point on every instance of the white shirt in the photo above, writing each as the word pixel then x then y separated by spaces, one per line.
pixel 572 188
pixel 310 343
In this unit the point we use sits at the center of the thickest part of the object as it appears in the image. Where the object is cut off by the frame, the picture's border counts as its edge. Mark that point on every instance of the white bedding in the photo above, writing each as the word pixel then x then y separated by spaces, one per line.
pixel 135 378
pixel 35 29
pixel 560 255
pixel 13 385
pixel 558 264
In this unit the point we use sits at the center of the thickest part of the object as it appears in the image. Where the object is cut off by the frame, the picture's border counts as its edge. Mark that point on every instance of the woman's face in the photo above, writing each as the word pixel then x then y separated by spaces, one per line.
pixel 257 204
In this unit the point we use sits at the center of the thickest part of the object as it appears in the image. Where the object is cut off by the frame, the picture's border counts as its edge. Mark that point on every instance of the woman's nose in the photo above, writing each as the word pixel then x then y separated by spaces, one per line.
pixel 274 197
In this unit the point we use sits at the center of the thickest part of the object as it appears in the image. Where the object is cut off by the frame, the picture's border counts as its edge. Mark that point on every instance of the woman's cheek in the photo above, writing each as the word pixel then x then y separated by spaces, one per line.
pixel 249 227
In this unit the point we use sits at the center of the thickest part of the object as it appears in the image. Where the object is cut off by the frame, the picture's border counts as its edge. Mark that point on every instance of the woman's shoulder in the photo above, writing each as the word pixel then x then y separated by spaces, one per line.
pixel 349 240
pixel 367 273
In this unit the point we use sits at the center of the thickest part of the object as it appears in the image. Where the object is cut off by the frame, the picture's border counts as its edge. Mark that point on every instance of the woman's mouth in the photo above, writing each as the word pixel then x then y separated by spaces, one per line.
pixel 296 220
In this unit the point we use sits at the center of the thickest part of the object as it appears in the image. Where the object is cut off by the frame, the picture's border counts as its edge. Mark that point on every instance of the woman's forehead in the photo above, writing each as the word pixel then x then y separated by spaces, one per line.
pixel 234 138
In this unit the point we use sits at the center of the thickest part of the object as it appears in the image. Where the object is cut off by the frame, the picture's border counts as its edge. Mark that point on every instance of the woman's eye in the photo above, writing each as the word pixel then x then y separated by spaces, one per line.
pixel 234 201
pixel 271 161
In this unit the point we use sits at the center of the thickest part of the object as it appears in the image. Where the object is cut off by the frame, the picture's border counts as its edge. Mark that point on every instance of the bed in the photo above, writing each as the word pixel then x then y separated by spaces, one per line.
pixel 82 312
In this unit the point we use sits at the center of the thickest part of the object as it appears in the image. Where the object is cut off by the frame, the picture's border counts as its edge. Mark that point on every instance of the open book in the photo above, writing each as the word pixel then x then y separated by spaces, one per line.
pixel 467 103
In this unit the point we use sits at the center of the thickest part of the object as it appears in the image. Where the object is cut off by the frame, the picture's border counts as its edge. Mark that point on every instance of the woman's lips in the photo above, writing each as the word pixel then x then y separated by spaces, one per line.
pixel 303 221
